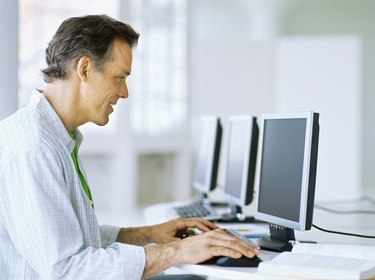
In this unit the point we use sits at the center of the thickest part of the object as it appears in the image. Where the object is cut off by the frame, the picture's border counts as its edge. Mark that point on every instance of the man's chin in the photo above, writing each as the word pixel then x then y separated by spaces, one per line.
pixel 102 122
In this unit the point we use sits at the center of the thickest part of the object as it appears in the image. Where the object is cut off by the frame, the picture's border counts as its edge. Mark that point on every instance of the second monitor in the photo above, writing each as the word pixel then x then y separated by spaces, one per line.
pixel 240 165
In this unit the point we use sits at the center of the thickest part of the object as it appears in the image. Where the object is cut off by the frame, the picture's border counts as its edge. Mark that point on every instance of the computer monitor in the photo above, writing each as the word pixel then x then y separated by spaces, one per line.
pixel 207 155
pixel 288 154
pixel 240 164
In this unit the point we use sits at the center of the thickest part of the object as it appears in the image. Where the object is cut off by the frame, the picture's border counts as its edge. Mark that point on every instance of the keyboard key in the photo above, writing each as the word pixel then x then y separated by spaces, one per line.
pixel 193 210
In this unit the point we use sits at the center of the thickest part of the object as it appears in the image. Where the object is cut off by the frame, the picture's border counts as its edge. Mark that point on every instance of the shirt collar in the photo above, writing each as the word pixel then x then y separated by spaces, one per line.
pixel 78 137
pixel 55 125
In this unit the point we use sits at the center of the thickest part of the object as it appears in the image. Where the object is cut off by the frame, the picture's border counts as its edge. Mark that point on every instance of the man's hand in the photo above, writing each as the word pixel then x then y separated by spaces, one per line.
pixel 215 243
pixel 195 249
pixel 176 229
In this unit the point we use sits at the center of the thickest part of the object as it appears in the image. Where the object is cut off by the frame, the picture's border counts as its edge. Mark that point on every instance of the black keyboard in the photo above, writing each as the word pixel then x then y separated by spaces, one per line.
pixel 196 209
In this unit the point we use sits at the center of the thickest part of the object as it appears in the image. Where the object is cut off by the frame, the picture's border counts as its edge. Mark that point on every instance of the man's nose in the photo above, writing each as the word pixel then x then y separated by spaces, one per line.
pixel 124 91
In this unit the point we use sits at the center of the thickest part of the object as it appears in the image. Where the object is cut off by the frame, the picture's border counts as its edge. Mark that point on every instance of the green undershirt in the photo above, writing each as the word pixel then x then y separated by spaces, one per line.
pixel 81 178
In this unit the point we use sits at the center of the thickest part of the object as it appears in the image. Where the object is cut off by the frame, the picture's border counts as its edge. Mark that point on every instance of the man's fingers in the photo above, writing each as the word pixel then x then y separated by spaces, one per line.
pixel 218 251
pixel 199 223
pixel 223 239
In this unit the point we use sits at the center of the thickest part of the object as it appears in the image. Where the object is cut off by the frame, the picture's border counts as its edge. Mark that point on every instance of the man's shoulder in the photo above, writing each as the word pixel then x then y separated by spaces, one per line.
pixel 23 131
pixel 22 121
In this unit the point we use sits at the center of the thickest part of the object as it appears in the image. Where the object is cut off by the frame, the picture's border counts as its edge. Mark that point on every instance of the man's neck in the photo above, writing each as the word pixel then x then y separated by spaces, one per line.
pixel 64 99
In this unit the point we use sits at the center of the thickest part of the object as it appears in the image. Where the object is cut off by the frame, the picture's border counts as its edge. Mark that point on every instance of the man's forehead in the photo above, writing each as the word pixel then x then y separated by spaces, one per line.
pixel 121 47
pixel 121 56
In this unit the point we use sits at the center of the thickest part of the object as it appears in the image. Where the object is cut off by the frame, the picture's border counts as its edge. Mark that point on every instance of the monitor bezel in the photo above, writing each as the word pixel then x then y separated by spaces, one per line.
pixel 301 225
pixel 208 185
pixel 249 119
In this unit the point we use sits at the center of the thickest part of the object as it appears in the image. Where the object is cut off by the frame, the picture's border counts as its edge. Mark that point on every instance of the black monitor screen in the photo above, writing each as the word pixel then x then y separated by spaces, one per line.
pixel 282 168
pixel 237 151
pixel 206 138
pixel 240 164
pixel 207 154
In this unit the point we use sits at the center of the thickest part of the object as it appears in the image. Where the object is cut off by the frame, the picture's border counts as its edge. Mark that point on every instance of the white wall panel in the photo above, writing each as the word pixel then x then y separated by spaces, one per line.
pixel 323 74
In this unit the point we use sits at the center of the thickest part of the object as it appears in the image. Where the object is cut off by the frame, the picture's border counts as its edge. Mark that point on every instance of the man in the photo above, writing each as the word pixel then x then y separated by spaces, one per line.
pixel 48 228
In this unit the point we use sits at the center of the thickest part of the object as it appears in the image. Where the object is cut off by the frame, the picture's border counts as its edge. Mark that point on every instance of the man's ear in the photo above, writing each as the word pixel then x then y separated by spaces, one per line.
pixel 83 67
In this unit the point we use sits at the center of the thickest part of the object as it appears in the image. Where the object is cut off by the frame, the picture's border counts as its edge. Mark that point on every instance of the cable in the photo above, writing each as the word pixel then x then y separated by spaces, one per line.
pixel 363 198
pixel 347 201
pixel 344 211
pixel 343 233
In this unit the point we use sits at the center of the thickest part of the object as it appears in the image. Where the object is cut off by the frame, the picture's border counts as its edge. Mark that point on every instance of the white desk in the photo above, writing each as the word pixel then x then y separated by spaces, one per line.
pixel 356 223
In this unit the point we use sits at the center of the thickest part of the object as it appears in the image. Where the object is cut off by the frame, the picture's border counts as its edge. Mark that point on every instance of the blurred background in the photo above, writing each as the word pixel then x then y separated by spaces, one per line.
pixel 210 57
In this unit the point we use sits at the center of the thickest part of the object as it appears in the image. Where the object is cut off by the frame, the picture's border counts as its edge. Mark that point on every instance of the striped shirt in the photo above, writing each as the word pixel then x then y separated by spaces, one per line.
pixel 48 229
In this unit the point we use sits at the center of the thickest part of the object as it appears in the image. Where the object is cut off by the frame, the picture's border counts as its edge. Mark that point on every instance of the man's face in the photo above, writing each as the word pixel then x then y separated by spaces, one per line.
pixel 104 89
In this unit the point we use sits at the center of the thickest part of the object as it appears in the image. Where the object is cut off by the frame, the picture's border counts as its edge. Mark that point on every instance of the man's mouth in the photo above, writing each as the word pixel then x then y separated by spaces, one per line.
pixel 111 104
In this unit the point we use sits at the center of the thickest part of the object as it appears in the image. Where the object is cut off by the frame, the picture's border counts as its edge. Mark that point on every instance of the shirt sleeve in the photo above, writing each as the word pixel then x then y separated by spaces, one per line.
pixel 108 234
pixel 37 210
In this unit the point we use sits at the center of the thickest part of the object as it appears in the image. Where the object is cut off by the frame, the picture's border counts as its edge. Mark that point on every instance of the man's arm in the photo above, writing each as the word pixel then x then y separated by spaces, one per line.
pixel 163 233
pixel 135 235
pixel 172 250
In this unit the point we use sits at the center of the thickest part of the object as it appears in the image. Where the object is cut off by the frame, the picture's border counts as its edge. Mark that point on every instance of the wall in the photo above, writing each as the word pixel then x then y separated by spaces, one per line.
pixel 235 73
pixel 8 57
pixel 233 78
pixel 230 74
pixel 323 74
pixel 346 17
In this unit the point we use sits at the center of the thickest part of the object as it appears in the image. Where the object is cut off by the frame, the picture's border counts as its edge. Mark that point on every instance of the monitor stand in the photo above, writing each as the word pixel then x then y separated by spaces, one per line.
pixel 235 215
pixel 204 200
pixel 279 240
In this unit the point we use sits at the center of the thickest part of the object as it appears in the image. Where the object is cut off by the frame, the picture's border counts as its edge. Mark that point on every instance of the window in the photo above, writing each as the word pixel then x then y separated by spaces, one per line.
pixel 158 90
